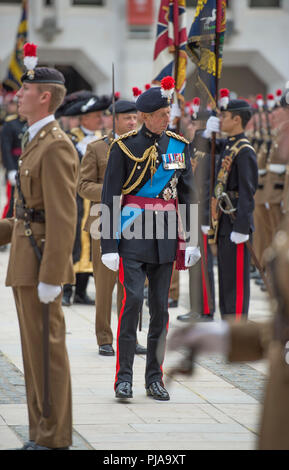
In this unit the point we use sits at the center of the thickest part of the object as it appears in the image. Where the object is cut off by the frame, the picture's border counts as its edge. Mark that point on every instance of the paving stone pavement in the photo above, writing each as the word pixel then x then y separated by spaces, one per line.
pixel 217 408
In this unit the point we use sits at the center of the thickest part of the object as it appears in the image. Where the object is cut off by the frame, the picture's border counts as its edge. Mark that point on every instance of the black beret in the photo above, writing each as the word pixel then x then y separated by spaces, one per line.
pixel 151 100
pixel 123 106
pixel 43 75
pixel 72 98
pixel 88 105
pixel 237 105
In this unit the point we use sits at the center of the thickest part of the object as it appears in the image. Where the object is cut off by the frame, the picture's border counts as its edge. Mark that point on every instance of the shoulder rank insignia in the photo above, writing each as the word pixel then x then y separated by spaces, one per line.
pixel 177 136
pixel 124 136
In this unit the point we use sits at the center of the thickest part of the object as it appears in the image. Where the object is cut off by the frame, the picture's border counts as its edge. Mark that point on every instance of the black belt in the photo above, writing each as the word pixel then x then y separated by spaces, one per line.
pixel 30 215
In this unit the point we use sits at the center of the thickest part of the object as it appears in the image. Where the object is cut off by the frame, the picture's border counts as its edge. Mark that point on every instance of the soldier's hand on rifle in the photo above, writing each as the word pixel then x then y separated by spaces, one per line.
pixel 237 237
pixel 47 293
pixel 192 255
pixel 213 125
pixel 111 261
pixel 202 338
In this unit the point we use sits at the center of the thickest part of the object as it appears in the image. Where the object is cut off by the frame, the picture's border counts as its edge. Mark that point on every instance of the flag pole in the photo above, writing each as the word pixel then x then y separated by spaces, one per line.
pixel 211 234
pixel 177 52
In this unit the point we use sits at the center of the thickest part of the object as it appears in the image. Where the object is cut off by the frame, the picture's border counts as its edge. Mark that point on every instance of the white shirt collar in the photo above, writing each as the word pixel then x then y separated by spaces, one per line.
pixel 87 131
pixel 35 128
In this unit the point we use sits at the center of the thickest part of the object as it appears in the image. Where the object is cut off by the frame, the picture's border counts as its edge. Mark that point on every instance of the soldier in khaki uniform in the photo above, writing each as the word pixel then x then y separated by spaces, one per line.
pixel 92 172
pixel 254 341
pixel 46 215
pixel 259 140
pixel 275 177
pixel 89 108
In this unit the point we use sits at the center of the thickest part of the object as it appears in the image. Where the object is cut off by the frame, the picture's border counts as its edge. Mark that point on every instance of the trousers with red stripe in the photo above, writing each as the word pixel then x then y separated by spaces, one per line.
pixel 132 275
pixel 234 277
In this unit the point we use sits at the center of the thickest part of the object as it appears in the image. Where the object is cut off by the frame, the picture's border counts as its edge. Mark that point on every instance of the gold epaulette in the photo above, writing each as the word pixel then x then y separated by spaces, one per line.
pixel 177 136
pixel 11 117
pixel 244 142
pixel 124 136
pixel 76 134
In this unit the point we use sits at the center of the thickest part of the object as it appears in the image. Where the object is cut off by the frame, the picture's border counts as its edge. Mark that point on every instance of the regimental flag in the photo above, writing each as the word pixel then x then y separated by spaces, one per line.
pixel 208 24
pixel 170 57
pixel 16 66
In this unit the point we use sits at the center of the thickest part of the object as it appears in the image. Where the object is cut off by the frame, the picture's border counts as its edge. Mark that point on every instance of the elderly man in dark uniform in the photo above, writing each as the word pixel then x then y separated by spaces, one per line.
pixel 41 236
pixel 237 176
pixel 92 172
pixel 150 169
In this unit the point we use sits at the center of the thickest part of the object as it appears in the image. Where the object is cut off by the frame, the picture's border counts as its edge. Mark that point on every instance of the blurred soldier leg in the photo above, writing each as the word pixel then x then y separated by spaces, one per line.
pixel 275 218
pixel 199 301
pixel 262 234
pixel 55 431
pixel 105 280
pixel 234 278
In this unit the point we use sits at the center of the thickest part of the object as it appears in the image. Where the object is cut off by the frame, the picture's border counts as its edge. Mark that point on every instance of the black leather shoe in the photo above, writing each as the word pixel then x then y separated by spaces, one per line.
pixel 123 390
pixel 140 349
pixel 190 316
pixel 66 300
pixel 158 392
pixel 83 299
pixel 172 303
pixel 106 350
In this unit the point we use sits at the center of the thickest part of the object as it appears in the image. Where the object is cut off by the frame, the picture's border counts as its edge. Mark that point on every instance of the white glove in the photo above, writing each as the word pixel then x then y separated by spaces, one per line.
pixel 237 237
pixel 203 337
pixel 111 261
pixel 205 229
pixel 12 177
pixel 192 255
pixel 47 293
pixel 213 125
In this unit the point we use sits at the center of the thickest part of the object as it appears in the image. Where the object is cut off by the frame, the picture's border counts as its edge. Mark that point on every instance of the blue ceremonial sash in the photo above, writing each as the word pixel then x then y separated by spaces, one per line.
pixel 150 189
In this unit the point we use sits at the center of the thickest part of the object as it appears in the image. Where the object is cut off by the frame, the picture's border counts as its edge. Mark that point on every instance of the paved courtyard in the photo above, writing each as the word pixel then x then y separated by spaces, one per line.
pixel 217 408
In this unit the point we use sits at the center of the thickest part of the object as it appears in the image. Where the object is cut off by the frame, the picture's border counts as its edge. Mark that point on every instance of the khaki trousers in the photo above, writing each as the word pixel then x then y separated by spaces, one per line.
pixel 175 285
pixel 275 218
pixel 105 280
pixel 262 234
pixel 55 431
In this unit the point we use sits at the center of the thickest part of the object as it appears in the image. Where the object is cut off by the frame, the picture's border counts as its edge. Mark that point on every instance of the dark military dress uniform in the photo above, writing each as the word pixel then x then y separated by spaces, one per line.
pixel 11 135
pixel 128 174
pixel 234 259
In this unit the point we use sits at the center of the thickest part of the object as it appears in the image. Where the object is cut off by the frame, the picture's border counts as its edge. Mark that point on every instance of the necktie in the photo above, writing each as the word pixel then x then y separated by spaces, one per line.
pixel 25 140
